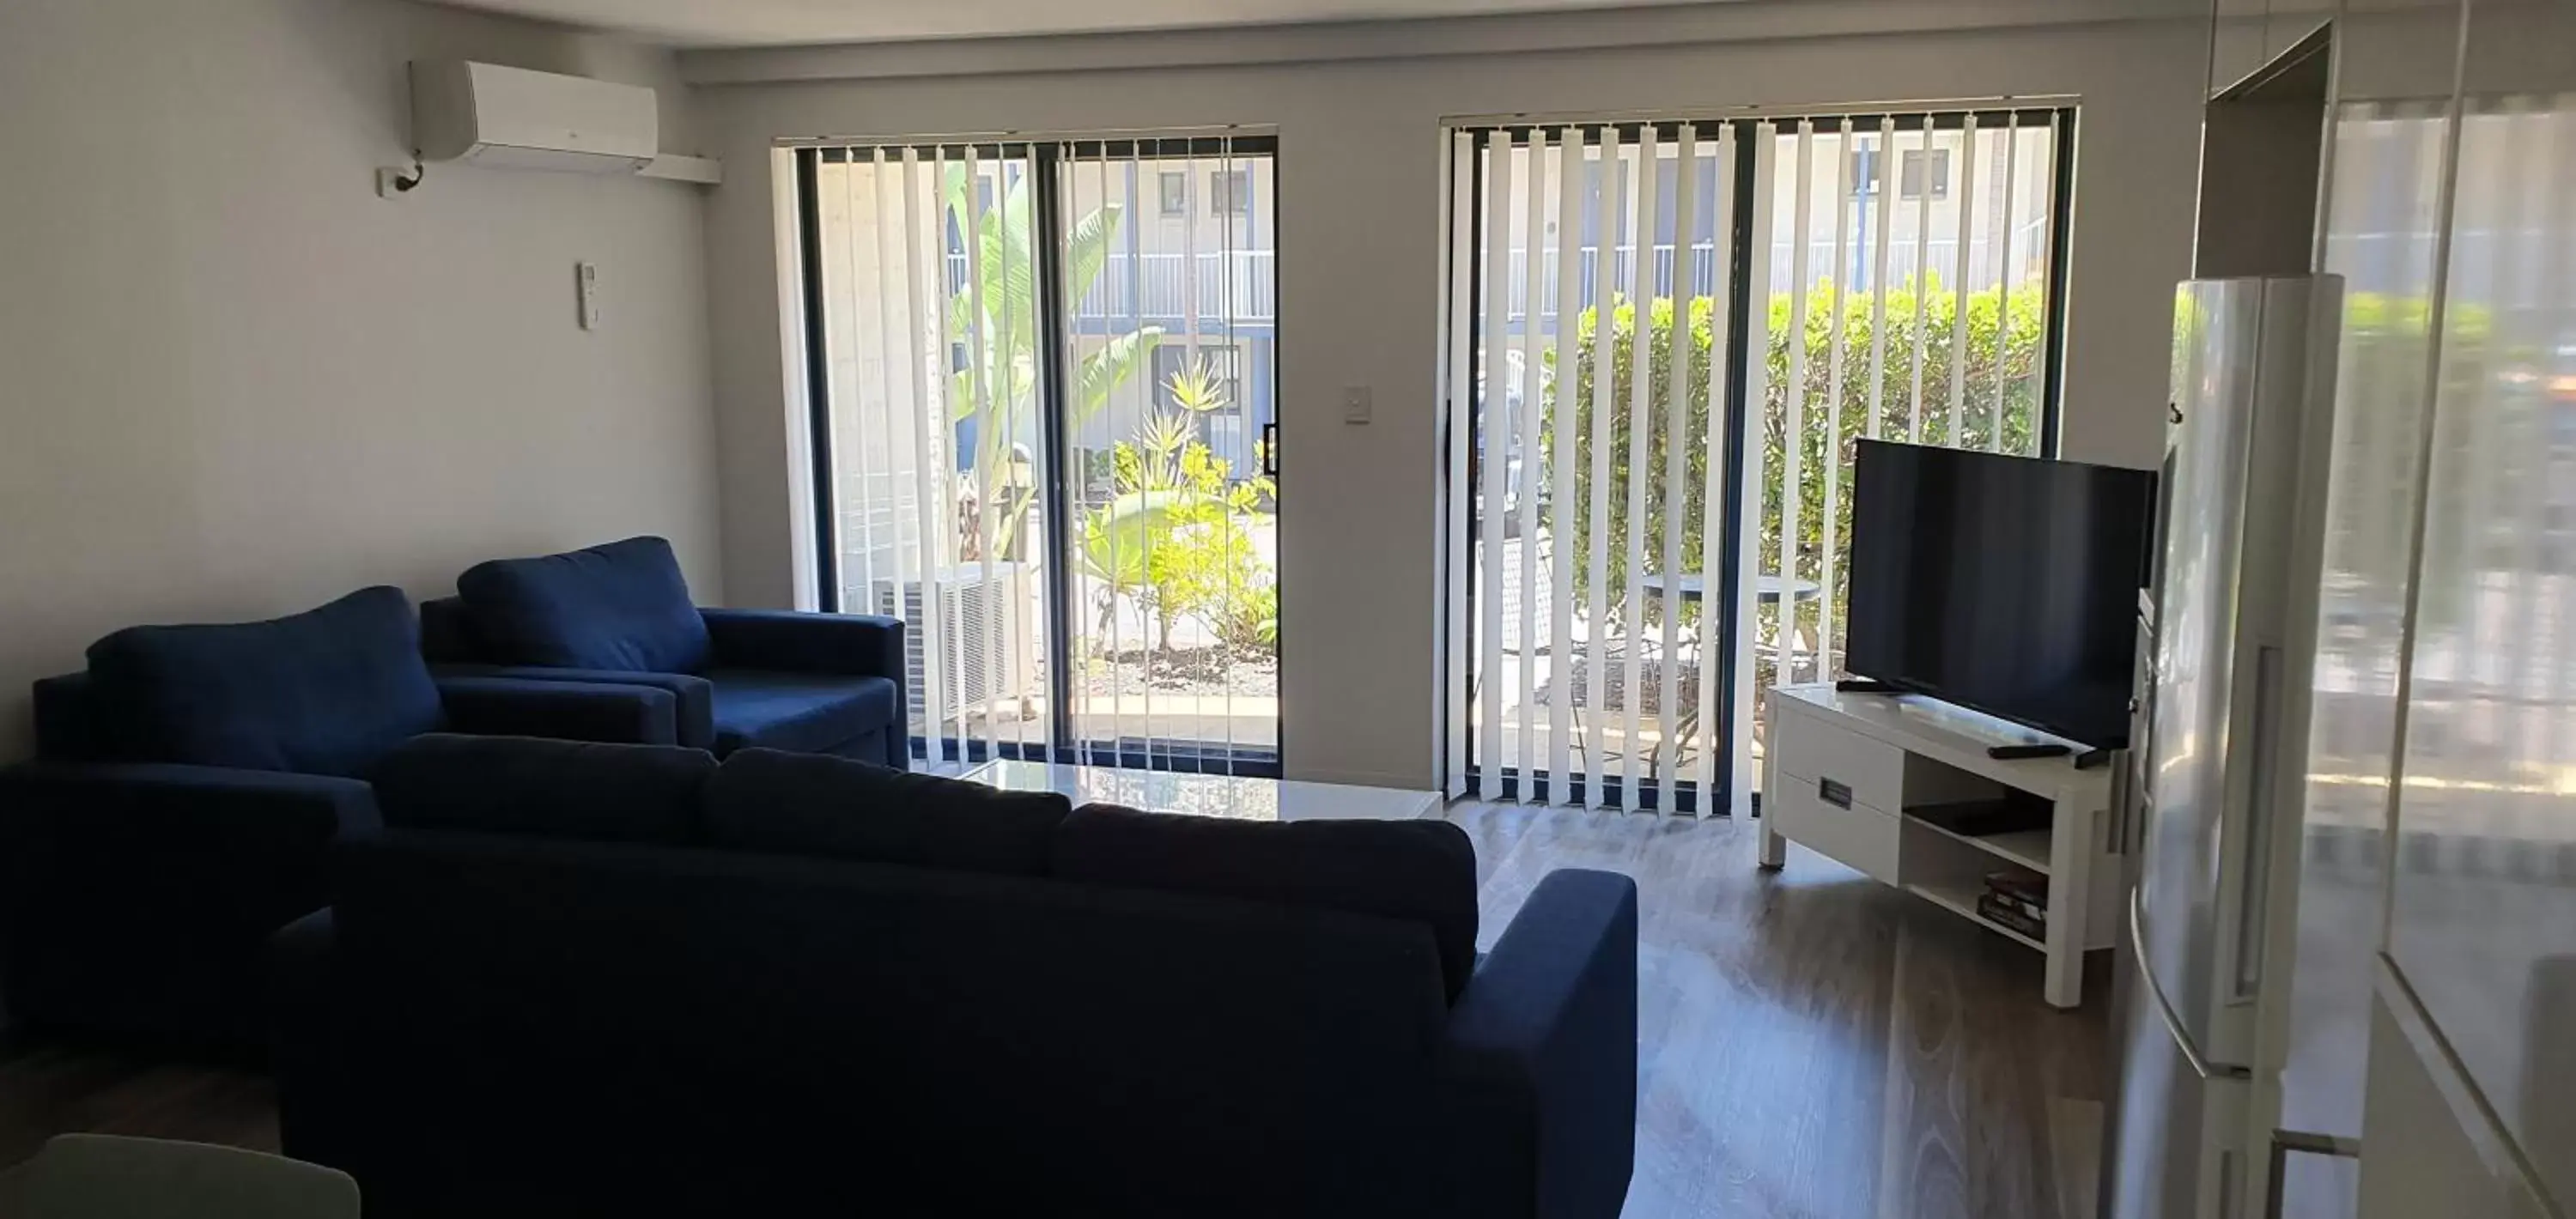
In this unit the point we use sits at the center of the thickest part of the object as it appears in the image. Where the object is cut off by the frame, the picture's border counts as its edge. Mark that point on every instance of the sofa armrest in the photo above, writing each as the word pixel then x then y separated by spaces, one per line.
pixel 136 897
pixel 858 645
pixel 189 803
pixel 303 1031
pixel 1540 1056
pixel 567 710
pixel 693 698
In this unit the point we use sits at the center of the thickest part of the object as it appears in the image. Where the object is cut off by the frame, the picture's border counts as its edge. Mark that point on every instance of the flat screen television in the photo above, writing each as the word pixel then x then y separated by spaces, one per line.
pixel 2004 584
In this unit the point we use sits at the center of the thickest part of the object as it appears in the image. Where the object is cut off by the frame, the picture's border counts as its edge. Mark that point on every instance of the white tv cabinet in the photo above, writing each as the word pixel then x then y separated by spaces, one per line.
pixel 1844 768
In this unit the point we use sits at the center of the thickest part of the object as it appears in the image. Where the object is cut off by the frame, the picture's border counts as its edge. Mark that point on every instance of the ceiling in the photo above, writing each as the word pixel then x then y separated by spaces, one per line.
pixel 701 23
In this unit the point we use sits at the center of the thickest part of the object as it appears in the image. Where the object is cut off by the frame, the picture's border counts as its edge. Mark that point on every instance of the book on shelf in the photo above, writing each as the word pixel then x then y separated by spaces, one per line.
pixel 1994 909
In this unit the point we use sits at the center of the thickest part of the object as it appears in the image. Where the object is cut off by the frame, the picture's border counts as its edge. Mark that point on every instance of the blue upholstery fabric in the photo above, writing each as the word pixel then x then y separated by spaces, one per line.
pixel 68 727
pixel 857 644
pixel 1546 1033
pixel 623 605
pixel 806 804
pixel 134 898
pixel 447 632
pixel 1423 871
pixel 678 1029
pixel 327 691
pixel 579 711
pixel 802 712
pixel 693 698
pixel 558 789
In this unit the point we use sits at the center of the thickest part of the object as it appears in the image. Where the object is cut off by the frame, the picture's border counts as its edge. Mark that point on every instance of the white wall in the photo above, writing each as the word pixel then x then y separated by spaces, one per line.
pixel 234 383
pixel 1360 216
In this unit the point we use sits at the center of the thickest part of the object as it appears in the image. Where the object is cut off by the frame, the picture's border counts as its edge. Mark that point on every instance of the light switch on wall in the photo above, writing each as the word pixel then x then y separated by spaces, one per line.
pixel 1357 404
pixel 586 276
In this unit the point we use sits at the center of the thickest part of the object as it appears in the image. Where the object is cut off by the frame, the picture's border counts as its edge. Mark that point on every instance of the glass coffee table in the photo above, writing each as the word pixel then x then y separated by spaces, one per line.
pixel 1209 795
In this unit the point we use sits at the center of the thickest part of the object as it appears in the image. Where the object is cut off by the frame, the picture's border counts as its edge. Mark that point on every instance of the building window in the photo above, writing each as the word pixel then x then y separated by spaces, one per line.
pixel 1176 193
pixel 1229 192
pixel 1909 179
pixel 1909 175
pixel 1220 365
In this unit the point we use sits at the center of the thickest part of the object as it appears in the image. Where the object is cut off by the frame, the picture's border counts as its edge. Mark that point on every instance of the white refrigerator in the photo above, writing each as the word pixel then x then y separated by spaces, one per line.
pixel 2219 752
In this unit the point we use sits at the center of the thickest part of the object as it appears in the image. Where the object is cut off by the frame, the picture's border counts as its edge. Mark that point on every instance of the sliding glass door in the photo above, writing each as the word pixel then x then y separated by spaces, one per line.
pixel 1665 340
pixel 1042 383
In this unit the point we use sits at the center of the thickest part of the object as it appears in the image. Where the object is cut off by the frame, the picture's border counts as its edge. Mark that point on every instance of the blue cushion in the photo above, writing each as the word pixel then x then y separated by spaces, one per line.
pixel 797 712
pixel 1419 871
pixel 544 787
pixel 327 691
pixel 619 606
pixel 815 804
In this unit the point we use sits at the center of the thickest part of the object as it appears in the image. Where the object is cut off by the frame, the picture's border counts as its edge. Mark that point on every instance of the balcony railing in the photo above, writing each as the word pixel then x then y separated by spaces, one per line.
pixel 1242 286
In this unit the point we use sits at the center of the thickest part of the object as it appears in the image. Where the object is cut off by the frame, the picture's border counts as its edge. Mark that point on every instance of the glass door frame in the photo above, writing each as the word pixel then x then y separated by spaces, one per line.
pixel 1047 161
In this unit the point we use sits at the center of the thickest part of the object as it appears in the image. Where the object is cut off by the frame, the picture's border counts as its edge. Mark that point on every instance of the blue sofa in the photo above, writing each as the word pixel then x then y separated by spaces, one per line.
pixel 186 789
pixel 616 980
pixel 621 612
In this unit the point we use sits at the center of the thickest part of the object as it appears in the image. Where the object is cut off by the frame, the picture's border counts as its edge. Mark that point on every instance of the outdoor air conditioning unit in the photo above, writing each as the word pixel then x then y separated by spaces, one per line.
pixel 981 658
pixel 486 114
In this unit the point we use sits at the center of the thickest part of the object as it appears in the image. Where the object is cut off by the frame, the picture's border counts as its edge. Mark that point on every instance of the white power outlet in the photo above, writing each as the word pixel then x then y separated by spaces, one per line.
pixel 586 274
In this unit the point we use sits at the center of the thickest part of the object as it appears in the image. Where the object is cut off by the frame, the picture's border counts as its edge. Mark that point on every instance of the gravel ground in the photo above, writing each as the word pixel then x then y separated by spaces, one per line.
pixel 1182 670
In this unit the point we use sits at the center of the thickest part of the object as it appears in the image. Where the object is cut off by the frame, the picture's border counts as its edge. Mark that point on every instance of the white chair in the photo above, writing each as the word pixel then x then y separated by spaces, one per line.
pixel 106 1176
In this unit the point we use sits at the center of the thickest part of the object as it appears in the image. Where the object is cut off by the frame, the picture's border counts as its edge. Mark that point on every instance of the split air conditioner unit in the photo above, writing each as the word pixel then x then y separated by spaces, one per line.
pixel 486 114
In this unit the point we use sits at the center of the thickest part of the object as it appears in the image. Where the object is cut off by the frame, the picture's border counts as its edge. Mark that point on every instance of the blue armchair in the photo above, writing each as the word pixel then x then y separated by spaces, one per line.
pixel 188 786
pixel 621 612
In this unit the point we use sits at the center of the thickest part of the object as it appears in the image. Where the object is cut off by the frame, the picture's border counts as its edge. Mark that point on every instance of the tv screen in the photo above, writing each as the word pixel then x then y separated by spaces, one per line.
pixel 2004 584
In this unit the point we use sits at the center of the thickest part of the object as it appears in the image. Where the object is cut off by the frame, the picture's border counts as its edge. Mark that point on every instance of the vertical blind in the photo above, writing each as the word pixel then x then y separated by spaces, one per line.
pixel 920 308
pixel 1042 372
pixel 1647 549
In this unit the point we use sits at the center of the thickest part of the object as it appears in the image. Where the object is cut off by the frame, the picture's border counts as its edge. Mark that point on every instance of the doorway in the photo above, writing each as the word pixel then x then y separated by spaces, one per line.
pixel 1043 388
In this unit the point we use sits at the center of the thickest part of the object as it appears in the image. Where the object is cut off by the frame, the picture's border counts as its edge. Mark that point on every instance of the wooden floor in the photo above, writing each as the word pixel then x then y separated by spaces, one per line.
pixel 1813 1043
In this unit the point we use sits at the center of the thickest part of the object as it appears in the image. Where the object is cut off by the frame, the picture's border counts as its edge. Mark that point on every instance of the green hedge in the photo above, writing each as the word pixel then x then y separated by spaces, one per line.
pixel 2019 317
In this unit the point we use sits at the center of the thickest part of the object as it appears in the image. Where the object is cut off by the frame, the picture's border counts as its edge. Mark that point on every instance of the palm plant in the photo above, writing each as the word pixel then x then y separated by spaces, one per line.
pixel 993 318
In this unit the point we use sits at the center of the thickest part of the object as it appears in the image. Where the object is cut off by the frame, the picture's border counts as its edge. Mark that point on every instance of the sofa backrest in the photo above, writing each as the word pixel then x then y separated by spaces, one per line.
pixel 622 605
pixel 592 1016
pixel 821 1011
pixel 327 691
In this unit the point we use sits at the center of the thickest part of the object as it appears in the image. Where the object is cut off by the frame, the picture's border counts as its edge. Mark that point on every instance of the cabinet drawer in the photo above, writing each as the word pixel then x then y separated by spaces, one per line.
pixel 1811 749
pixel 1859 837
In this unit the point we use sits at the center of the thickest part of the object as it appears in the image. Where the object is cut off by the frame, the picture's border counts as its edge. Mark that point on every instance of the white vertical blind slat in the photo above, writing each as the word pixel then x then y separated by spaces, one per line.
pixel 1677 445
pixel 1595 681
pixel 1641 359
pixel 928 201
pixel 1560 452
pixel 1922 276
pixel 1533 240
pixel 893 351
pixel 851 431
pixel 2003 290
pixel 1794 395
pixel 1713 482
pixel 1462 425
pixel 1495 401
pixel 980 389
pixel 1959 283
pixel 1883 164
pixel 2044 256
pixel 1225 656
pixel 1748 507
pixel 1830 528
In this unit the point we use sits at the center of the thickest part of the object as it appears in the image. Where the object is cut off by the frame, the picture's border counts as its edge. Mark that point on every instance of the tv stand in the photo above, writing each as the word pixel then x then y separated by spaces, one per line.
pixel 1849 776
pixel 1863 685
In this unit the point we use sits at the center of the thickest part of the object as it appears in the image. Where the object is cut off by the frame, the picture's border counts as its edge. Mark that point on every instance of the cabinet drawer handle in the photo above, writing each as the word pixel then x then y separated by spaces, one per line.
pixel 1836 794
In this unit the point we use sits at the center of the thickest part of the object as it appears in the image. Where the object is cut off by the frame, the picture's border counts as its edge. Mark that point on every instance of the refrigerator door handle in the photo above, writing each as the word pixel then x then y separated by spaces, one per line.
pixel 2254 882
pixel 2164 1007
pixel 2286 1141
